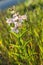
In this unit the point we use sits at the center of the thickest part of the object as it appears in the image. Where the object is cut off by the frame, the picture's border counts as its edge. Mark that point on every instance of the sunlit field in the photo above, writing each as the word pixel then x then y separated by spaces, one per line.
pixel 21 34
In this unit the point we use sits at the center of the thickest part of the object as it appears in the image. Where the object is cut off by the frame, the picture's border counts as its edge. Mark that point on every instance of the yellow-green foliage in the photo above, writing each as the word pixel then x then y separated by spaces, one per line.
pixel 26 47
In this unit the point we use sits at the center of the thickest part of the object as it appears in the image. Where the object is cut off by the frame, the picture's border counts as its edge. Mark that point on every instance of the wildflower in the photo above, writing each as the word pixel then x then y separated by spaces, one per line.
pixel 9 21
pixel 21 18
pixel 17 20
pixel 16 31
pixel 13 29
pixel 15 15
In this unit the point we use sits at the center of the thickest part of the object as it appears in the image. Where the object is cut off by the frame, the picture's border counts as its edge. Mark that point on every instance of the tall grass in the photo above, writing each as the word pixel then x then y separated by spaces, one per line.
pixel 26 47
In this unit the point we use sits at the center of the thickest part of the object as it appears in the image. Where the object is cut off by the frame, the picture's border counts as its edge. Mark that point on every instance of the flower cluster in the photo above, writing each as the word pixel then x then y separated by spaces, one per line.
pixel 16 20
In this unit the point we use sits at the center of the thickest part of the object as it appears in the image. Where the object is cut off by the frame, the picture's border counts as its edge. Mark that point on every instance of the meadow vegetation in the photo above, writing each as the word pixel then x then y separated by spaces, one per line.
pixel 25 47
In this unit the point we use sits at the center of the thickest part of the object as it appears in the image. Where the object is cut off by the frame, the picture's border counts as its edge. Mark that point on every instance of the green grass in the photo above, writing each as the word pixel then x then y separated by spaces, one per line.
pixel 26 47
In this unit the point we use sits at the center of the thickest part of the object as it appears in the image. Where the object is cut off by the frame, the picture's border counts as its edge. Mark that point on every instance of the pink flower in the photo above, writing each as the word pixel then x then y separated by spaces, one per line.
pixel 17 20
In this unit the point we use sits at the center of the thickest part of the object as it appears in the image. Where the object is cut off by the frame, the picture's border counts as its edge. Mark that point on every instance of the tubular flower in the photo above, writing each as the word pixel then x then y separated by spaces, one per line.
pixel 17 20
